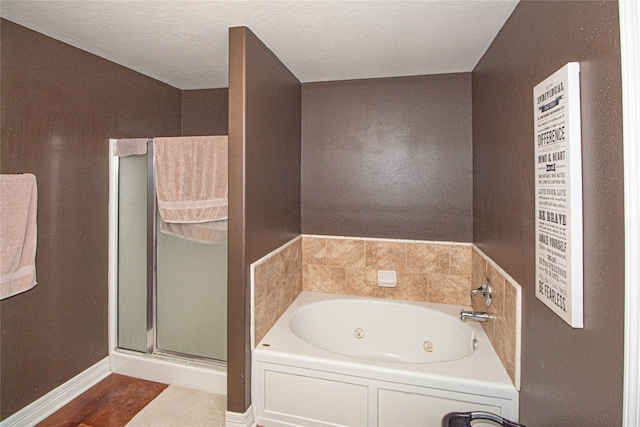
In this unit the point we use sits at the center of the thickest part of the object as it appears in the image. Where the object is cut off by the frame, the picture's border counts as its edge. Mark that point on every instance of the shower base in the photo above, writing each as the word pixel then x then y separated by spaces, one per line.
pixel 210 377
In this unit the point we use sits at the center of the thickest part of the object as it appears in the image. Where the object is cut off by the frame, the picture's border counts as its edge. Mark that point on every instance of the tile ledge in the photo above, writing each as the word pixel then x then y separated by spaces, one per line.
pixel 385 239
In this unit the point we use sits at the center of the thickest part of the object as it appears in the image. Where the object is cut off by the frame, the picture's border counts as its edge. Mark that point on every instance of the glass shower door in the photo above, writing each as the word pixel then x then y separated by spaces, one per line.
pixel 172 288
pixel 191 301
pixel 132 253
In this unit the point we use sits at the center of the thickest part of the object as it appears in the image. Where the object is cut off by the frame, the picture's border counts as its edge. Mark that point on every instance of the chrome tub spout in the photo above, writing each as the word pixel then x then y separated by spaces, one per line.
pixel 478 316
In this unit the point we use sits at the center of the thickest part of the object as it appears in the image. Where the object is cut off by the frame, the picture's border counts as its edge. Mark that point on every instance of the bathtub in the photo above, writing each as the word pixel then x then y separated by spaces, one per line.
pixel 333 360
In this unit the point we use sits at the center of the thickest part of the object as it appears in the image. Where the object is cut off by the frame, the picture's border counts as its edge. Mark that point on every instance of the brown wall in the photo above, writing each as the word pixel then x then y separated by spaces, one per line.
pixel 205 112
pixel 60 106
pixel 264 184
pixel 388 158
pixel 570 376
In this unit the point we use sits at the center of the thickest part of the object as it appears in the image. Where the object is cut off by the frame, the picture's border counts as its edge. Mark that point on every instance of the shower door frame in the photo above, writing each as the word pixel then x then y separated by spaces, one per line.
pixel 151 252
pixel 163 366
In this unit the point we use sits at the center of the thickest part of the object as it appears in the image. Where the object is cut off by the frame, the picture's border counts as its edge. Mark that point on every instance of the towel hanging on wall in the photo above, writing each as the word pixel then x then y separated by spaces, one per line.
pixel 191 178
pixel 18 233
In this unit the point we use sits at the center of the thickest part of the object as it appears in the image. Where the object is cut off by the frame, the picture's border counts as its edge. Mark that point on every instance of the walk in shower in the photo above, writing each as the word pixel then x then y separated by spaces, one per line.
pixel 168 282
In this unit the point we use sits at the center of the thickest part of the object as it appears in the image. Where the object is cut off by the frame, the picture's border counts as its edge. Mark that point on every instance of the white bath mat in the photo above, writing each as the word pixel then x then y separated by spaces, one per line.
pixel 180 406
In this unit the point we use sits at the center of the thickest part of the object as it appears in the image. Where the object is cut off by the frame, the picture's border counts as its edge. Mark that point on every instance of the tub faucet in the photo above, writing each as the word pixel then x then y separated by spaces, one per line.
pixel 483 291
pixel 478 316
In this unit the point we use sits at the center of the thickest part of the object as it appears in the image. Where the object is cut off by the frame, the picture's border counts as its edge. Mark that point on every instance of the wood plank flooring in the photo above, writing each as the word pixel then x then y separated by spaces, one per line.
pixel 110 403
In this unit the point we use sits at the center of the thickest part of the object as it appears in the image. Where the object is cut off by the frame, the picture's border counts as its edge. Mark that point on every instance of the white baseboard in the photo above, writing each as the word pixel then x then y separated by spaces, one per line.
pixel 237 419
pixel 49 403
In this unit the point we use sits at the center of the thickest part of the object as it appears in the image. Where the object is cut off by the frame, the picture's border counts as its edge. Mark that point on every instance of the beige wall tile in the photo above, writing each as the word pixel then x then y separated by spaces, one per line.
pixel 314 250
pixel 489 329
pixel 276 271
pixel 478 269
pixel 460 260
pixel 361 281
pixel 478 304
pixel 282 297
pixel 497 287
pixel 411 286
pixel 449 289
pixel 427 258
pixel 510 303
pixel 260 322
pixel 504 343
pixel 265 316
pixel 345 253
pixel 294 283
pixel 411 260
pixel 292 256
pixel 501 329
pixel 386 255
pixel 277 282
pixel 321 278
pixel 260 282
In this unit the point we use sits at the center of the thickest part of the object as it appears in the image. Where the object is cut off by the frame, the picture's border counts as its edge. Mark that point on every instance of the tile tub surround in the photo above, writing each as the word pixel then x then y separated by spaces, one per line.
pixel 505 328
pixel 276 282
pixel 441 272
pixel 426 271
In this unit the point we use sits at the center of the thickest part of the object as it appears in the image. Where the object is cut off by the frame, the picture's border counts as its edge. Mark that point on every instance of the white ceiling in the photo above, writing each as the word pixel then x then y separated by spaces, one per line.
pixel 185 43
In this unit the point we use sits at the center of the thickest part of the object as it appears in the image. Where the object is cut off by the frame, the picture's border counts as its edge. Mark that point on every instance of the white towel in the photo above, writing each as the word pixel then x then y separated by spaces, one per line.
pixel 18 233
pixel 192 178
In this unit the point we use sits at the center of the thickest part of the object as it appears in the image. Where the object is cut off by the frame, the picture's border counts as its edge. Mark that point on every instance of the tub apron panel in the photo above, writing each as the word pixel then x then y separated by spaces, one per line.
pixel 296 383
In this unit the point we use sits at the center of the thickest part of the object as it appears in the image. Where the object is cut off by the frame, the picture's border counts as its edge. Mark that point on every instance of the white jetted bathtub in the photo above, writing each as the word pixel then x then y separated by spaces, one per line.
pixel 338 360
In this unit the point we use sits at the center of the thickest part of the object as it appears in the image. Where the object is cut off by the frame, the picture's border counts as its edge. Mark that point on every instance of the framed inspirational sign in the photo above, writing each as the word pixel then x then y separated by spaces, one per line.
pixel 558 193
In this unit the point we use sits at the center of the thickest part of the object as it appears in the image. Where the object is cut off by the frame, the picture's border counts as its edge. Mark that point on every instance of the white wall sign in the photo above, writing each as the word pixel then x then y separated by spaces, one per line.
pixel 558 188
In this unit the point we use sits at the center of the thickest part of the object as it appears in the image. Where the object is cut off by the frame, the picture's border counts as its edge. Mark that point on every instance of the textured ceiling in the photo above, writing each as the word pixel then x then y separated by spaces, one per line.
pixel 185 43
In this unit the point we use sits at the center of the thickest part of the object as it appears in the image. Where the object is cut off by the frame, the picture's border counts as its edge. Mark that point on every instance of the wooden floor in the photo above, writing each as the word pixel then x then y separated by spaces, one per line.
pixel 110 403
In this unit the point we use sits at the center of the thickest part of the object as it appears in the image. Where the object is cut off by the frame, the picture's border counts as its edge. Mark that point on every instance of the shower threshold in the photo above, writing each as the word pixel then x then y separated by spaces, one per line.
pixel 201 374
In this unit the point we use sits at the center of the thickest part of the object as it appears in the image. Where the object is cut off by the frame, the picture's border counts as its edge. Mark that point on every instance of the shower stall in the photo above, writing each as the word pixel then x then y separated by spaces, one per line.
pixel 168 283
